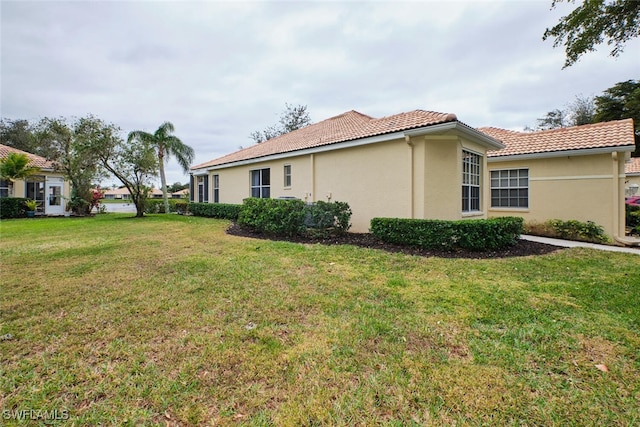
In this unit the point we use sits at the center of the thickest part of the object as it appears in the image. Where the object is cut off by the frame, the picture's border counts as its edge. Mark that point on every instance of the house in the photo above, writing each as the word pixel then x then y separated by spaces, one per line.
pixel 419 164
pixel 632 174
pixel 48 187
pixel 117 194
pixel 123 194
pixel 424 164
pixel 181 194
pixel 568 173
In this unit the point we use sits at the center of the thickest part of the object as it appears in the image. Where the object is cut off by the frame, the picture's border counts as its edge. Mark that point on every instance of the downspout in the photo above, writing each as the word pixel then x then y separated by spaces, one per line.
pixel 313 178
pixel 623 240
pixel 407 139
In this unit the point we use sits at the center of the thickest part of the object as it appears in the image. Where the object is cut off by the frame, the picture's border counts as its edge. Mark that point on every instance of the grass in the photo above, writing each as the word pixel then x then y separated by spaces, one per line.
pixel 168 320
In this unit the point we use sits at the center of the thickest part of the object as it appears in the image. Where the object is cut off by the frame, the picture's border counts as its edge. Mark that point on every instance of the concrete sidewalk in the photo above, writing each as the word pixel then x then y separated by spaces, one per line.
pixel 573 244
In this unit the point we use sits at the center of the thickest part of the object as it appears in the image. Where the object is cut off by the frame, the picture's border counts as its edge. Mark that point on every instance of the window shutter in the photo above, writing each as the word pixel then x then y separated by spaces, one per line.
pixel 192 189
pixel 206 188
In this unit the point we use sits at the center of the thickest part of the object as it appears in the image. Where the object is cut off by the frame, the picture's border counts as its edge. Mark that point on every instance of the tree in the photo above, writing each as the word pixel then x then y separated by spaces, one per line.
pixel 177 186
pixel 593 22
pixel 166 145
pixel 293 117
pixel 16 166
pixel 18 134
pixel 69 145
pixel 554 119
pixel 580 112
pixel 622 101
pixel 133 163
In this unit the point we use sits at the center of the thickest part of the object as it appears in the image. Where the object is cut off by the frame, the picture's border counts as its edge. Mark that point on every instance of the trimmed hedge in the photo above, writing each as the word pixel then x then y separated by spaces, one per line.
pixel 476 235
pixel 273 216
pixel 12 207
pixel 215 210
pixel 290 217
pixel 325 218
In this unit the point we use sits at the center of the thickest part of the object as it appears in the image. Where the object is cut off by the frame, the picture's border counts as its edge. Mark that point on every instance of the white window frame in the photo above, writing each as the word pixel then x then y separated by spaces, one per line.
pixel 260 182
pixel 287 176
pixel 471 181
pixel 216 188
pixel 510 188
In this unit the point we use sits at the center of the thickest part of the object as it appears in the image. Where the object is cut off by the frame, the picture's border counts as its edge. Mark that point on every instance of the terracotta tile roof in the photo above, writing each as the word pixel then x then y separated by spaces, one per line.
pixel 348 126
pixel 617 133
pixel 36 161
pixel 633 167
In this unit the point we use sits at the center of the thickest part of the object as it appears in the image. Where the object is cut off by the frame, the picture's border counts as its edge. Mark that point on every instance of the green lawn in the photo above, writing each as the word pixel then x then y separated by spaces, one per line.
pixel 167 320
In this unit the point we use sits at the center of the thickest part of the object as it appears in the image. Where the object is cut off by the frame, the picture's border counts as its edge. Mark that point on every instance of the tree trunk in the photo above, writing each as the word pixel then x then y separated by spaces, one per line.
pixel 163 182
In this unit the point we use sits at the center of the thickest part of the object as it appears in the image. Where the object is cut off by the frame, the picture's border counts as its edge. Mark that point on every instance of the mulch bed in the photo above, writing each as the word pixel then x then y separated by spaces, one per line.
pixel 366 240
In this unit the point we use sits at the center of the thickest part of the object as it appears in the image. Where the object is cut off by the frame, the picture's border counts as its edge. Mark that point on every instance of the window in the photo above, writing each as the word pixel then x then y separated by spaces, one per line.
pixel 470 181
pixel 261 183
pixel 4 188
pixel 34 189
pixel 510 188
pixel 287 175
pixel 216 188
pixel 203 188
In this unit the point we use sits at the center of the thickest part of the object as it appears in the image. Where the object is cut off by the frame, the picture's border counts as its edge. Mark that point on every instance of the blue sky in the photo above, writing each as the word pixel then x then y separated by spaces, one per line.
pixel 220 70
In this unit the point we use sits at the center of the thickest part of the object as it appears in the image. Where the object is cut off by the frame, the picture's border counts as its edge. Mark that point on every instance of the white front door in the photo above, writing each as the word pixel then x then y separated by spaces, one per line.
pixel 54 205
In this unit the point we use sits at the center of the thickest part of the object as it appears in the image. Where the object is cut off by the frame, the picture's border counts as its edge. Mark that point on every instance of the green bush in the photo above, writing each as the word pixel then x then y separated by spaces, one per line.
pixel 215 210
pixel 325 218
pixel 272 216
pixel 477 235
pixel 12 207
pixel 632 218
pixel 576 230
pixel 152 206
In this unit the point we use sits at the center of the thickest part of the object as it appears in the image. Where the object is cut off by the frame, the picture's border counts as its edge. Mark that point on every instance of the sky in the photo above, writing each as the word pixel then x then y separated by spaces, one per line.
pixel 221 70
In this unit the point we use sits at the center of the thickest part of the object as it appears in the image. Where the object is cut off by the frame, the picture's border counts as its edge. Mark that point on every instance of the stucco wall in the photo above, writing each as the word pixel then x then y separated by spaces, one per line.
pixel 386 179
pixel 569 187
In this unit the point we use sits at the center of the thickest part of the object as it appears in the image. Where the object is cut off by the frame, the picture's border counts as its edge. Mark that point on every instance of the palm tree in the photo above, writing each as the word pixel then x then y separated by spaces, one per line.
pixel 16 166
pixel 167 145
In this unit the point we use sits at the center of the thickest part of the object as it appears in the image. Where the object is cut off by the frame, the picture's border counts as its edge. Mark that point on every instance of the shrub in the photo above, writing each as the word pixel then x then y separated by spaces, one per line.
pixel 477 235
pixel 325 218
pixel 632 218
pixel 175 206
pixel 571 230
pixel 272 216
pixel 215 210
pixel 12 207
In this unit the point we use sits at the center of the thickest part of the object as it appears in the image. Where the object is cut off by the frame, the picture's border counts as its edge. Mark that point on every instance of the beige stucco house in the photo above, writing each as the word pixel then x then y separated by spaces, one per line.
pixel 632 173
pixel 424 164
pixel 48 187
pixel 418 164
pixel 570 173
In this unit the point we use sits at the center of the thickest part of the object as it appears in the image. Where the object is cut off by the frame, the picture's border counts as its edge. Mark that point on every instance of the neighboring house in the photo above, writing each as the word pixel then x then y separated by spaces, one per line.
pixel 569 173
pixel 180 194
pixel 47 186
pixel 117 194
pixel 123 194
pixel 632 173
pixel 430 165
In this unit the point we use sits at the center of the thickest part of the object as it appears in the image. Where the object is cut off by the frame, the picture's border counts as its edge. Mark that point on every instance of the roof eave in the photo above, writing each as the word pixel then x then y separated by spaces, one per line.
pixel 563 153
pixel 468 131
